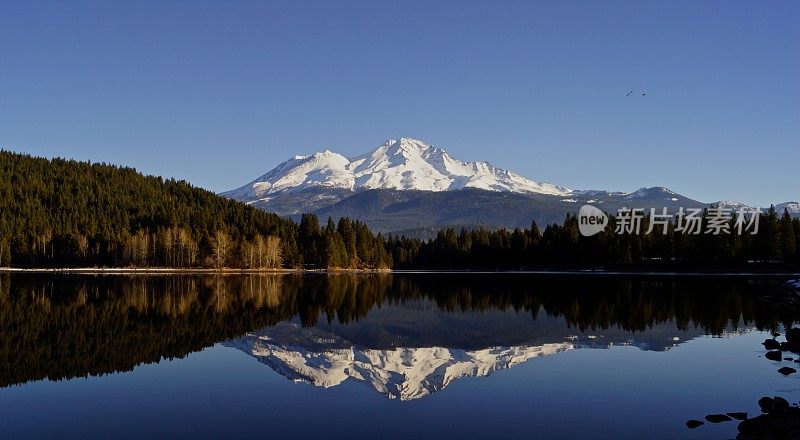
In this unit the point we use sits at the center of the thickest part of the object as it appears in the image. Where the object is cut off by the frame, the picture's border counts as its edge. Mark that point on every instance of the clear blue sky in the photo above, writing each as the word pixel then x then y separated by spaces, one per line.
pixel 219 92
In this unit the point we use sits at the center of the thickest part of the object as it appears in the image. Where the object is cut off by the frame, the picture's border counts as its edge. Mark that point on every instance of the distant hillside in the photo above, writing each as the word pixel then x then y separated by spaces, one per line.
pixel 420 211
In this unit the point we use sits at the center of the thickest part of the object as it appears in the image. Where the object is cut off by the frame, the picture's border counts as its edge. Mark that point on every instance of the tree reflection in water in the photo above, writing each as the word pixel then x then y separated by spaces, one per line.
pixel 65 326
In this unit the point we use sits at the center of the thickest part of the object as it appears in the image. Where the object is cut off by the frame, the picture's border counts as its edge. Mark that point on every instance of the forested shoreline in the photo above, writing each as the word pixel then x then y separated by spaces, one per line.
pixel 776 246
pixel 59 213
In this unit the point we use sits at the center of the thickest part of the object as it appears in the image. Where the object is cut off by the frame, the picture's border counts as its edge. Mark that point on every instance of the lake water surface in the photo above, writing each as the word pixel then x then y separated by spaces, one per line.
pixel 384 355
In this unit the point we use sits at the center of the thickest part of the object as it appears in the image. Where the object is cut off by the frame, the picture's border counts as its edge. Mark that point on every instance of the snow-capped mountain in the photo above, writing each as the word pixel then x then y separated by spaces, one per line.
pixel 730 204
pixel 405 164
pixel 652 193
pixel 408 186
pixel 792 207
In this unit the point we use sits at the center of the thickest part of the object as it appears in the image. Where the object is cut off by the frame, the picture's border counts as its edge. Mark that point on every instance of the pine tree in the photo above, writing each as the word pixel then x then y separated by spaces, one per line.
pixel 796 227
pixel 768 238
pixel 309 239
pixel 788 238
pixel 335 254
pixel 346 231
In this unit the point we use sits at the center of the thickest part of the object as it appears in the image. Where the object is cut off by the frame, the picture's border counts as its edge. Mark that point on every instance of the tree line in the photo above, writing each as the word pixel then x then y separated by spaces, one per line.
pixel 775 245
pixel 66 213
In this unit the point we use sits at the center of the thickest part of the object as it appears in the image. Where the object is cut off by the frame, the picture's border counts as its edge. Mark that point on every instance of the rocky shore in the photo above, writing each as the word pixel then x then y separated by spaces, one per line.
pixel 779 419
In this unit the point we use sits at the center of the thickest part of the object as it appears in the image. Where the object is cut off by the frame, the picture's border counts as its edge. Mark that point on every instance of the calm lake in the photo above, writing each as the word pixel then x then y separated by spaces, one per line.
pixel 384 355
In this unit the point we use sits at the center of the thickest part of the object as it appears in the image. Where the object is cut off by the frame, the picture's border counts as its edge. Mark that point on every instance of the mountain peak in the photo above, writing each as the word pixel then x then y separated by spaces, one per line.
pixel 408 142
pixel 327 154
pixel 414 143
pixel 405 147
pixel 653 192
pixel 399 164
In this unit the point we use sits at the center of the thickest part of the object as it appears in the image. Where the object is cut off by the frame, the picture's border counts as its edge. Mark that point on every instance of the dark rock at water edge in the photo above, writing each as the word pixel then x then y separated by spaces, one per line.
pixel 691 424
pixel 766 404
pixel 774 355
pixel 781 421
pixel 793 337
pixel 718 418
pixel 787 371
pixel 738 415
pixel 773 405
pixel 770 426
pixel 771 344
pixel 792 341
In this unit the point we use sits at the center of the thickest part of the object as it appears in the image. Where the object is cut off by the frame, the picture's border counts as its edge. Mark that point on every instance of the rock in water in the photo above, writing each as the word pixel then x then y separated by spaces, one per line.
pixel 784 425
pixel 787 371
pixel 755 427
pixel 774 355
pixel 771 344
pixel 793 336
pixel 717 418
pixel 780 405
pixel 738 415
pixel 766 404
pixel 691 424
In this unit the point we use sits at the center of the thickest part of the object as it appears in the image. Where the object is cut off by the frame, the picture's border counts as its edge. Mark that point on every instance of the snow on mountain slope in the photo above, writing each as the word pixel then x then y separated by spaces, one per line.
pixel 405 164
pixel 792 207
pixel 733 205
pixel 326 169
pixel 330 184
pixel 657 192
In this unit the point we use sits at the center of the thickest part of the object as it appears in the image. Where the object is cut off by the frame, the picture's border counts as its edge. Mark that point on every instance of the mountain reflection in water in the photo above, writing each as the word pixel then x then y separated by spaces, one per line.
pixel 326 360
pixel 406 335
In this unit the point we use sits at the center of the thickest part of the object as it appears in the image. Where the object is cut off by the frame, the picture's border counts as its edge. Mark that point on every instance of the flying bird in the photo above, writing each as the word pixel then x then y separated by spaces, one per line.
pixel 629 93
pixel 644 94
